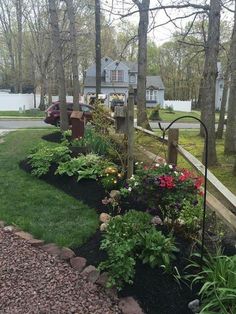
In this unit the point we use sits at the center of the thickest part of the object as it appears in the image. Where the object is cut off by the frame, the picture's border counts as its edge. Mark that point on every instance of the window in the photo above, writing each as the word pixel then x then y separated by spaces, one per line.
pixel 132 79
pixel 151 94
pixel 117 75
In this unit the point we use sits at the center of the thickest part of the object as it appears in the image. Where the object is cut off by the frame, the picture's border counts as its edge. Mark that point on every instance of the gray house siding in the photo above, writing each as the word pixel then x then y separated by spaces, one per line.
pixel 110 88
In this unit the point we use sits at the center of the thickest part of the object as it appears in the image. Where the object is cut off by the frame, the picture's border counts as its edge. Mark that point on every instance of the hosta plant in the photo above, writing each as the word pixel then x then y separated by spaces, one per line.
pixel 42 157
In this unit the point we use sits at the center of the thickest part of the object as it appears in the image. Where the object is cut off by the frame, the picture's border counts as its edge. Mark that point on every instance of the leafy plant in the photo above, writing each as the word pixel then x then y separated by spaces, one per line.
pixel 218 276
pixel 90 166
pixel 191 214
pixel 158 250
pixel 131 237
pixel 155 113
pixel 42 157
pixel 162 190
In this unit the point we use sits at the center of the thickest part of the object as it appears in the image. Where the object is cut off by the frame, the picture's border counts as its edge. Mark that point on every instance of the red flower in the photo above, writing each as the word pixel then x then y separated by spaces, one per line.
pixel 167 182
pixel 198 183
pixel 185 175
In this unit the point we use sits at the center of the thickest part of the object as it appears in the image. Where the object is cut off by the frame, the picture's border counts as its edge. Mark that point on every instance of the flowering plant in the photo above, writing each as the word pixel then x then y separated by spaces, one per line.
pixel 161 189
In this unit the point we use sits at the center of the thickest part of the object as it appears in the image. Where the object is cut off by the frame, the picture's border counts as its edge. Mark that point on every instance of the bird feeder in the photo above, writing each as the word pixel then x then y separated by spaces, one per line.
pixel 77 121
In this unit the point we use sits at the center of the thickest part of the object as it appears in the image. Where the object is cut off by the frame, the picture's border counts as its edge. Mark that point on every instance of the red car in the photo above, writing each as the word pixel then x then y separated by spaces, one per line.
pixel 53 113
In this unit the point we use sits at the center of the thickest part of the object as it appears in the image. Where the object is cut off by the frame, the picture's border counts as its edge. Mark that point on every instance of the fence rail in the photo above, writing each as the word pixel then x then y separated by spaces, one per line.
pixel 212 202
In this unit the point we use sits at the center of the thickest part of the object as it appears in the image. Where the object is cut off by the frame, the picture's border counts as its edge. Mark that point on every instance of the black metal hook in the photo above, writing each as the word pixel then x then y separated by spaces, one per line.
pixel 205 173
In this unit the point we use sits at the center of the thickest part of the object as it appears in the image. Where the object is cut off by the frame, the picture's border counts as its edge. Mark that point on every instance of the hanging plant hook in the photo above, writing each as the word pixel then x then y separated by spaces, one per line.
pixel 205 173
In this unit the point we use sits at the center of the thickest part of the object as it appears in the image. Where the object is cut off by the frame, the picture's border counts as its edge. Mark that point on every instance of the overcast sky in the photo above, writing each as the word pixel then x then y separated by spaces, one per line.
pixel 160 34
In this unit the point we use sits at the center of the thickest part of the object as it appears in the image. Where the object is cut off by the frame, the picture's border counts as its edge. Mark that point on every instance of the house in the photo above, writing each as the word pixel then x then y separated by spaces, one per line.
pixel 116 78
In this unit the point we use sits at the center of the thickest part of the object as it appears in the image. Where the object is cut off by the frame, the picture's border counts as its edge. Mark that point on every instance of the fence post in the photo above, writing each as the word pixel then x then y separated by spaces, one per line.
pixel 130 133
pixel 173 138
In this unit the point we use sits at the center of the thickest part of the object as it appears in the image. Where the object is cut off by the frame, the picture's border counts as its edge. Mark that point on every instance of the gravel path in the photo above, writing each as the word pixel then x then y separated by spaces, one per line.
pixel 32 281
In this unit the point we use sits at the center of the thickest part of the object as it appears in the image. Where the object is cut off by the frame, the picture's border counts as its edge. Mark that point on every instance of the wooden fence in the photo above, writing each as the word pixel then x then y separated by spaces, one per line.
pixel 224 211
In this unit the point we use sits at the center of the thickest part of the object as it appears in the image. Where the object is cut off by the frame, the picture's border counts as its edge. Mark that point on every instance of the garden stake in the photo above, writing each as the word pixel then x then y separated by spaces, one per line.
pixel 205 175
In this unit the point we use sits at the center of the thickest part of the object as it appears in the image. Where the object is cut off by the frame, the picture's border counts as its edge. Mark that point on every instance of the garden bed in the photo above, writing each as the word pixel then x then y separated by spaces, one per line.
pixel 156 291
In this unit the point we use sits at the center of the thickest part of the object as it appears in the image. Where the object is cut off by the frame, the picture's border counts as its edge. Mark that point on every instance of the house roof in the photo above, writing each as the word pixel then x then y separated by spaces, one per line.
pixel 90 81
pixel 155 82
pixel 133 67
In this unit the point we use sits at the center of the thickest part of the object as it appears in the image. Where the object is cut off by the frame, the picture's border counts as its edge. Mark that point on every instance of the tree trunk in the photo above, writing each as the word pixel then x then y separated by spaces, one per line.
pixel 142 119
pixel 42 93
pixel 207 96
pixel 230 136
pixel 220 129
pixel 76 85
pixel 57 48
pixel 98 47
pixel 19 43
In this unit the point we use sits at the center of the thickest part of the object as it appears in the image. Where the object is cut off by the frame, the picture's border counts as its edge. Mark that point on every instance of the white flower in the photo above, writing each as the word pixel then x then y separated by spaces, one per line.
pixel 157 165
pixel 130 189
pixel 165 164
pixel 176 173
pixel 170 166
pixel 136 163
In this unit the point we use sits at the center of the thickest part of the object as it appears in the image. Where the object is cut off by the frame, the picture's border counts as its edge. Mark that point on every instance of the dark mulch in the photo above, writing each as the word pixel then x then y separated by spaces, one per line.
pixel 54 137
pixel 90 192
pixel 157 292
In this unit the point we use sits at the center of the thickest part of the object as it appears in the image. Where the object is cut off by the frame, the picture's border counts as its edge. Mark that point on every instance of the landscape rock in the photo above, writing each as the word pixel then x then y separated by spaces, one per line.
pixel 91 273
pixel 52 249
pixel 24 235
pixel 78 263
pixel 2 224
pixel 157 221
pixel 229 244
pixel 9 228
pixel 66 253
pixel 103 226
pixel 102 280
pixel 36 242
pixel 129 306
pixel 105 218
pixel 115 194
pixel 194 306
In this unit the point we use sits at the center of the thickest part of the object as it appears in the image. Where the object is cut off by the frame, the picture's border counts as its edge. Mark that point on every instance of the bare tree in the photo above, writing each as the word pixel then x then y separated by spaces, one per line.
pixel 57 48
pixel 19 18
pixel 208 85
pixel 143 8
pixel 220 128
pixel 98 47
pixel 76 85
pixel 6 15
pixel 230 136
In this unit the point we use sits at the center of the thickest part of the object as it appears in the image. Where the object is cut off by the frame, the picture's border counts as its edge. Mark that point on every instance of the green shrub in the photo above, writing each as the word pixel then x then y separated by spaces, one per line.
pixel 169 109
pixel 43 157
pixel 89 166
pixel 155 113
pixel 218 276
pixel 131 237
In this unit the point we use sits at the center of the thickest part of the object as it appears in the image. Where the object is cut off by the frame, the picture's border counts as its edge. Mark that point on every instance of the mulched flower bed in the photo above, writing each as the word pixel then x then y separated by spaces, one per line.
pixel 55 137
pixel 156 291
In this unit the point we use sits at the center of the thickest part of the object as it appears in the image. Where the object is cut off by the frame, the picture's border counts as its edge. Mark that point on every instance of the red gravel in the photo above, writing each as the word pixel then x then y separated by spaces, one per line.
pixel 32 281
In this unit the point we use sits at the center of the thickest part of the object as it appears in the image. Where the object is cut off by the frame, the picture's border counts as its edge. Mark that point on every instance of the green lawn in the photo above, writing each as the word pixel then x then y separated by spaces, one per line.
pixel 168 117
pixel 36 206
pixel 193 143
pixel 27 113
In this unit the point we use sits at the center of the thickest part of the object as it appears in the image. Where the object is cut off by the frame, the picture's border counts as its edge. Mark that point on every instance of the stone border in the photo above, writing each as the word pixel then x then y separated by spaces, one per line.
pixel 127 305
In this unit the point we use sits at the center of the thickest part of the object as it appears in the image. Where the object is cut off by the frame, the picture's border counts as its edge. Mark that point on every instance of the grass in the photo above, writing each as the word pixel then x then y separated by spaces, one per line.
pixel 193 143
pixel 36 206
pixel 168 117
pixel 26 114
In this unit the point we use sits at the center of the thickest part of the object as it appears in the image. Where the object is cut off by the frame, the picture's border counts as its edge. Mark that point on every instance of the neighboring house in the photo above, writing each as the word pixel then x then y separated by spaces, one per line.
pixel 116 78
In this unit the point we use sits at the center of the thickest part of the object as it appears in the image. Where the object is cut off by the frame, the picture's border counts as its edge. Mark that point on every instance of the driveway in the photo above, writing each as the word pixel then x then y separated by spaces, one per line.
pixel 22 124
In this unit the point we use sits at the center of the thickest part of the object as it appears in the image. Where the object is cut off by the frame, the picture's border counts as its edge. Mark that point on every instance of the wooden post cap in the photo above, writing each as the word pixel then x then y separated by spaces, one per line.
pixel 77 115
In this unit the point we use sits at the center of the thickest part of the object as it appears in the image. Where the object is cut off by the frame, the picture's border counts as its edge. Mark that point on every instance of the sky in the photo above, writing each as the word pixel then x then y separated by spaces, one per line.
pixel 162 33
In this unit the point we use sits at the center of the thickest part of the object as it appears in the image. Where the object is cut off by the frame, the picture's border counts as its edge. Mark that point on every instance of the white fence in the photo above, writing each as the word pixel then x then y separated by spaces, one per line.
pixel 16 102
pixel 179 105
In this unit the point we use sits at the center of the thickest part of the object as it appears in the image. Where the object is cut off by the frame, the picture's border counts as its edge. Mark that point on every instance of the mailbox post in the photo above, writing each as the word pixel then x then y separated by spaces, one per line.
pixel 77 121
